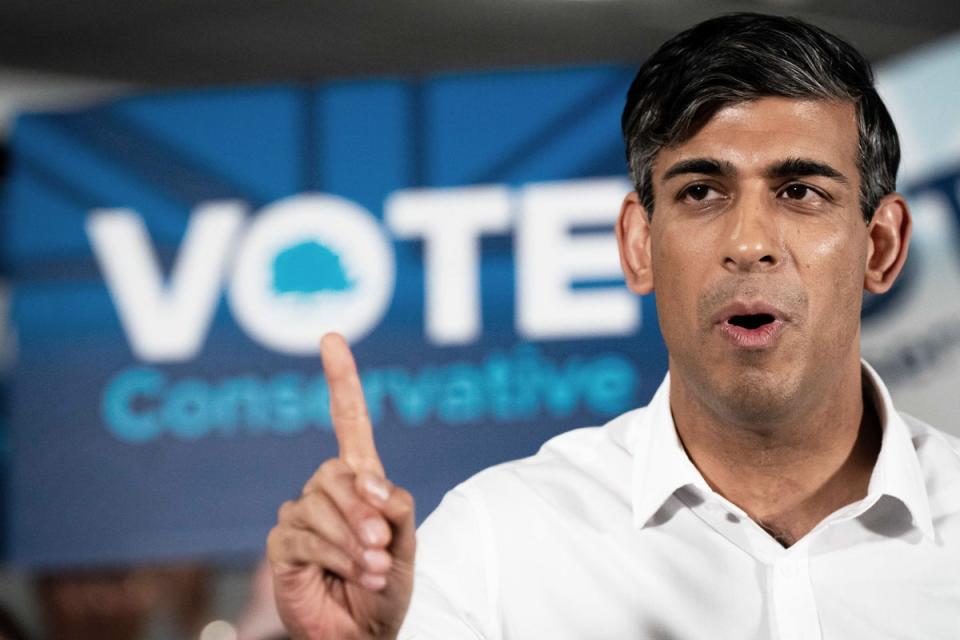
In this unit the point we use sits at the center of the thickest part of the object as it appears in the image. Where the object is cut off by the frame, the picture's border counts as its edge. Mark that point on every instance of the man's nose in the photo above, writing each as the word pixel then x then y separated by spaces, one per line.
pixel 752 240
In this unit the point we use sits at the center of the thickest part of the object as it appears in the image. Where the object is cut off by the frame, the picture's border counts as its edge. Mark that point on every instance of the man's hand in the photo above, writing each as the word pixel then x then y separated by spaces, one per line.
pixel 342 554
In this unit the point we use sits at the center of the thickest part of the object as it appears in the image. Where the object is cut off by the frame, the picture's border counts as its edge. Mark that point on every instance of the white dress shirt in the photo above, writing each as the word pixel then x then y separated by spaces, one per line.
pixel 611 532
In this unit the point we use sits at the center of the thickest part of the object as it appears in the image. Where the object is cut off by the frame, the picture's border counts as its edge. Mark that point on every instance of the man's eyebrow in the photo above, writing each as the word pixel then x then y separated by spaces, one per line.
pixel 705 166
pixel 797 167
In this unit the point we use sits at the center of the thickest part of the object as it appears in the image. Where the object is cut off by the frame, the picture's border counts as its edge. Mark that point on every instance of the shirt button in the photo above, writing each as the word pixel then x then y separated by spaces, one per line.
pixel 788 569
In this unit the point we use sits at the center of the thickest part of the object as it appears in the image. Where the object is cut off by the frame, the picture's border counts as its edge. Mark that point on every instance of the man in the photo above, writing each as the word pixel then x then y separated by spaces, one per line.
pixel 770 489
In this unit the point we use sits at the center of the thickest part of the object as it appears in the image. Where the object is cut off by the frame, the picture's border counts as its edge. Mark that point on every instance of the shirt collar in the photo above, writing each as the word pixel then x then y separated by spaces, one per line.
pixel 897 472
pixel 661 465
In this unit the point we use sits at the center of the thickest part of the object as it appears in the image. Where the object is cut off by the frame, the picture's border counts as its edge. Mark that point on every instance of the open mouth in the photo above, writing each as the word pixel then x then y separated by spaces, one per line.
pixel 752 330
pixel 751 321
pixel 751 324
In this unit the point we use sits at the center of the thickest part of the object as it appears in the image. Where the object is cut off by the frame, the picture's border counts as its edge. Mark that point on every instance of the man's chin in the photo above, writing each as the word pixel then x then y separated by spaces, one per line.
pixel 755 397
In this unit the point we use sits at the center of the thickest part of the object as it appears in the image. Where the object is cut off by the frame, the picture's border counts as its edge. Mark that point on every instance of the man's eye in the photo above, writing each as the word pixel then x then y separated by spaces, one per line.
pixel 797 192
pixel 698 192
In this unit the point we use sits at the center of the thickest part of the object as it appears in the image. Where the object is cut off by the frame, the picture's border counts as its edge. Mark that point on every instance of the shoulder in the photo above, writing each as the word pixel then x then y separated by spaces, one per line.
pixel 939 455
pixel 568 457
pixel 929 440
pixel 579 474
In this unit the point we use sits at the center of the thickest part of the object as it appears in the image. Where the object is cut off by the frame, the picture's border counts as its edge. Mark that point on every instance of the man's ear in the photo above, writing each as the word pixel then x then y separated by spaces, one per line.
pixel 888 240
pixel 633 238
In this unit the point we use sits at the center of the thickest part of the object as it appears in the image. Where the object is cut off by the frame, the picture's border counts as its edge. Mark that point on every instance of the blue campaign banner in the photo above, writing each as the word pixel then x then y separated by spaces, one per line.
pixel 176 257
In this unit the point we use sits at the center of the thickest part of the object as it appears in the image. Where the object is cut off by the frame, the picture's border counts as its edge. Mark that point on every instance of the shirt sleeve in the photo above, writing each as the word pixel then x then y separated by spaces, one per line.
pixel 454 595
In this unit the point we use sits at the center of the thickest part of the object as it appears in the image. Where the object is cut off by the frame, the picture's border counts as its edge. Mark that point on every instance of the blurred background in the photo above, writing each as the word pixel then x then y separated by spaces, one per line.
pixel 194 192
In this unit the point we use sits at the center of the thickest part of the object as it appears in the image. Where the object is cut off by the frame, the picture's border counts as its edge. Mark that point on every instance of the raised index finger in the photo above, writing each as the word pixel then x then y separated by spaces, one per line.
pixel 348 410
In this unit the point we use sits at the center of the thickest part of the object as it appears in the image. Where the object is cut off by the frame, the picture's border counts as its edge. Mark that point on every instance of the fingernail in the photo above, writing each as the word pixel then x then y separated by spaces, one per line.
pixel 373 531
pixel 372 581
pixel 377 488
pixel 376 560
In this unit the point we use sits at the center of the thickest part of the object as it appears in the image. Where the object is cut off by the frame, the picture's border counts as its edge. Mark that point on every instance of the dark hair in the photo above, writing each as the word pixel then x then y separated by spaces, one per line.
pixel 741 57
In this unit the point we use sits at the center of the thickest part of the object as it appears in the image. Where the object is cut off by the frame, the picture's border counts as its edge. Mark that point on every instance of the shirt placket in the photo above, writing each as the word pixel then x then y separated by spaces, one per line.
pixel 795 609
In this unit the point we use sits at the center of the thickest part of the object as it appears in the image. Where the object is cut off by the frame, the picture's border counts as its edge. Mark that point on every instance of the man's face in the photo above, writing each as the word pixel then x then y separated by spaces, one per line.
pixel 758 251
